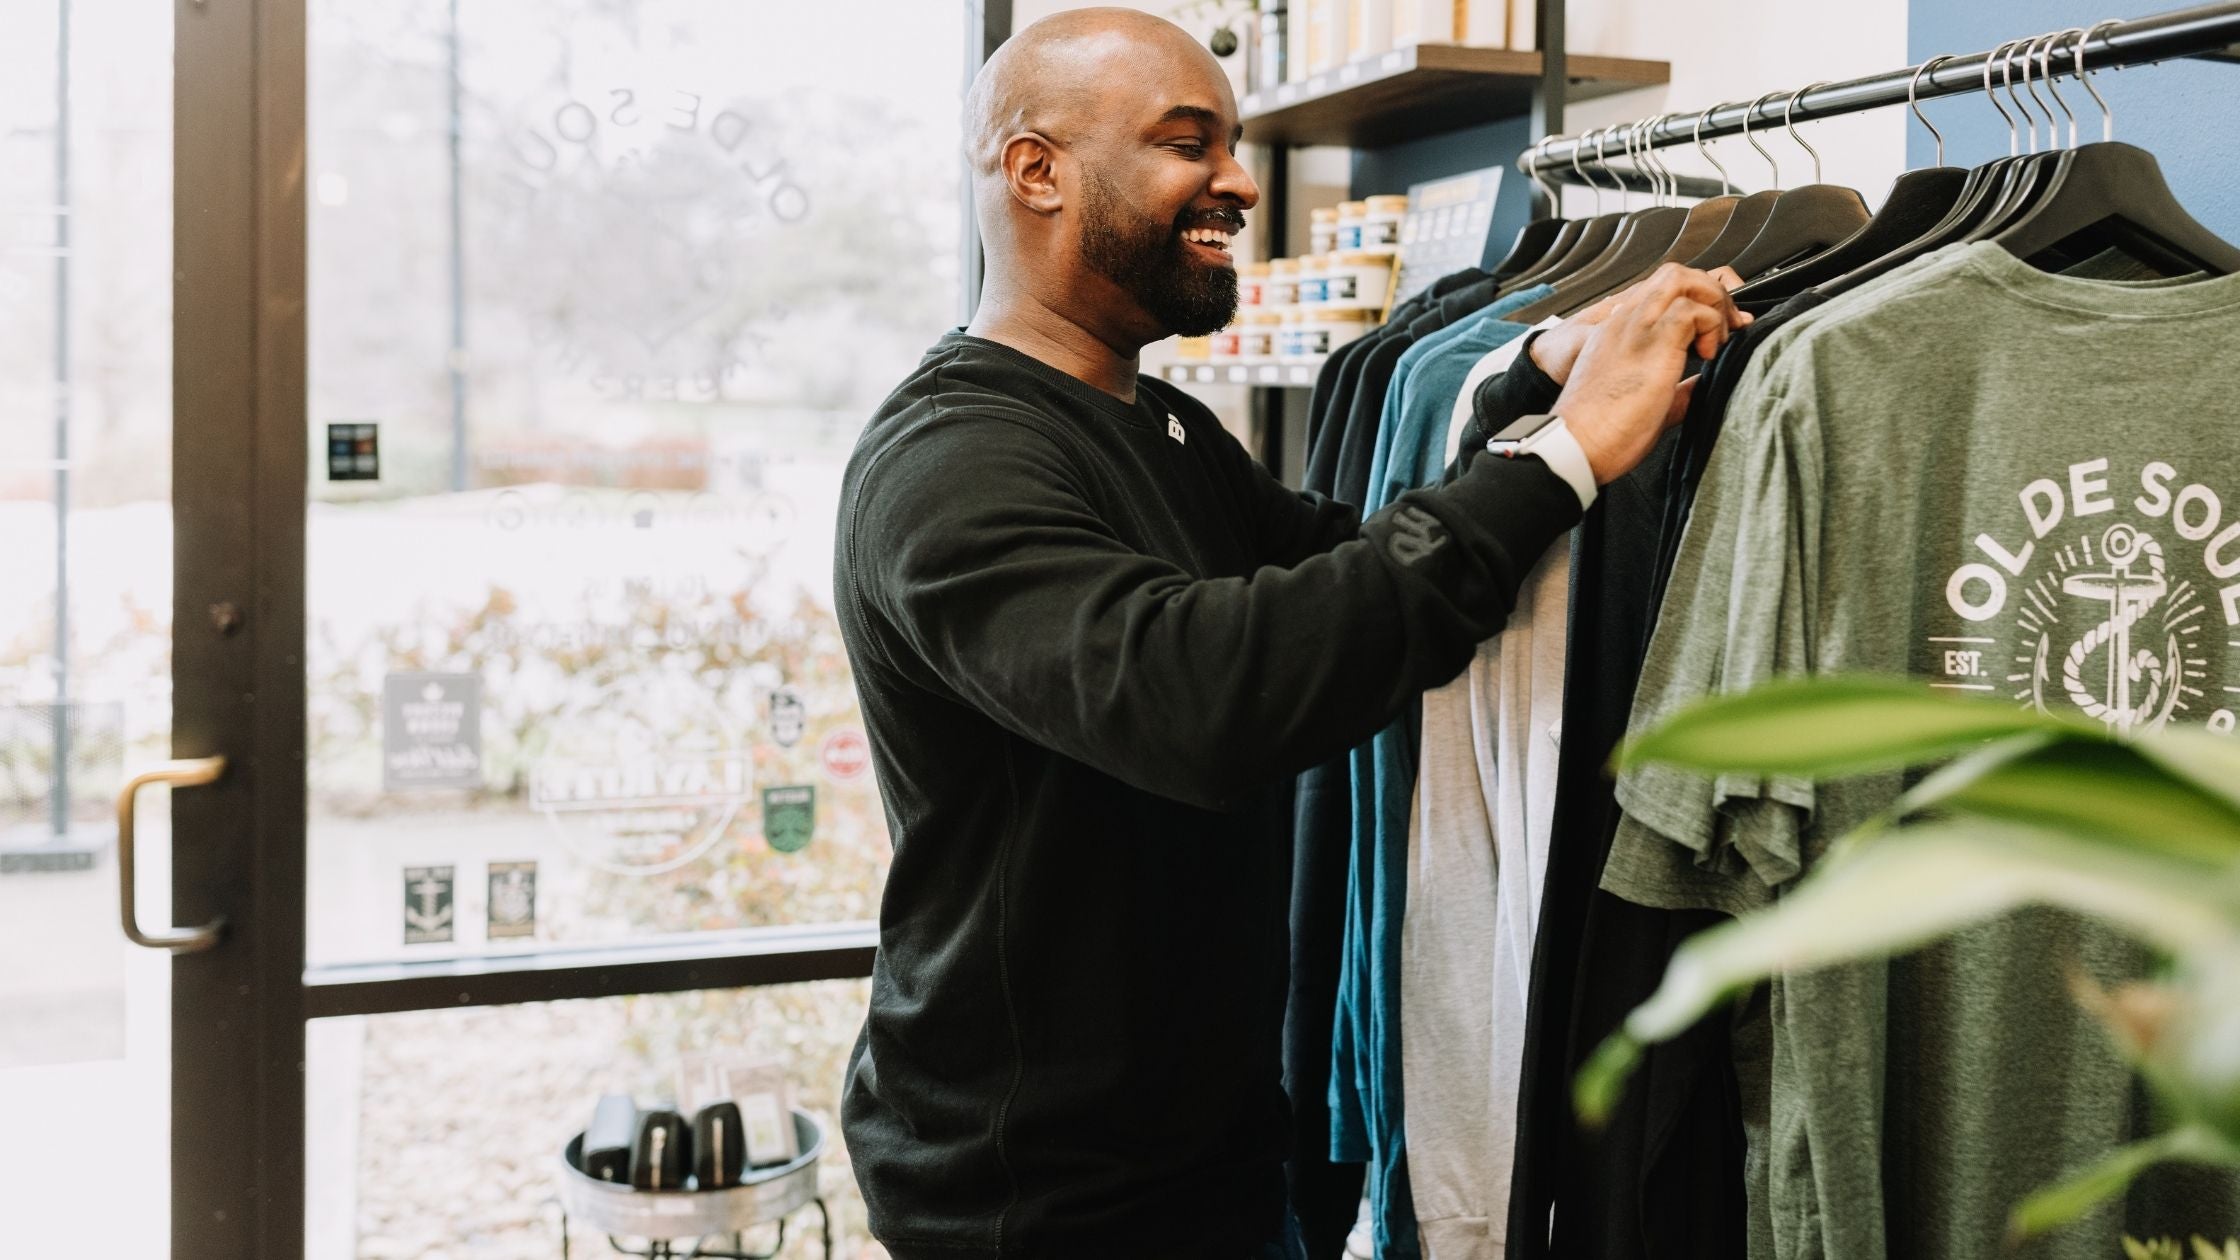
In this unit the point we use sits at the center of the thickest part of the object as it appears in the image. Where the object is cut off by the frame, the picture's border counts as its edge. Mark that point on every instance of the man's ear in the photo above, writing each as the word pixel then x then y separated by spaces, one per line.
pixel 1030 164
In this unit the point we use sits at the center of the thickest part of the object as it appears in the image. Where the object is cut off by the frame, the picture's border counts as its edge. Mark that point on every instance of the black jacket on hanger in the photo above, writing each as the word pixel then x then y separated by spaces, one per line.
pixel 1664 1178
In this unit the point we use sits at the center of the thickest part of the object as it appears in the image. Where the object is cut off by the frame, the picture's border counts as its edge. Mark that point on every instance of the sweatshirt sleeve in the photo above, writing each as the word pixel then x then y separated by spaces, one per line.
pixel 1523 390
pixel 991 579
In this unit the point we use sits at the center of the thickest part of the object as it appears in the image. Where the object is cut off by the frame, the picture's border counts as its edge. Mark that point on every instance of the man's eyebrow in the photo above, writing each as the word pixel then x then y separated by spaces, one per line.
pixel 1201 115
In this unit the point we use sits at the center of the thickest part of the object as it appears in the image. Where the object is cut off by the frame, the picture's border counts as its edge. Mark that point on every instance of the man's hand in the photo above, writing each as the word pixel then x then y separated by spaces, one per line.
pixel 1624 388
pixel 1557 349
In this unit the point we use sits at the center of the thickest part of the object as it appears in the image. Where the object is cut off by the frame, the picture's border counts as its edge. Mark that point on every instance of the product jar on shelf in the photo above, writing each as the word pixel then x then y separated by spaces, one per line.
pixel 1258 342
pixel 1314 280
pixel 1252 285
pixel 1380 223
pixel 1225 346
pixel 1350 217
pixel 1358 280
pixel 1322 229
pixel 1283 284
pixel 1323 331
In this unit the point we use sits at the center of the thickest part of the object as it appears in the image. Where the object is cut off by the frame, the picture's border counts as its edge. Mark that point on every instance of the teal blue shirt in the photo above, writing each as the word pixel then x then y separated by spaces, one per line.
pixel 1366 1119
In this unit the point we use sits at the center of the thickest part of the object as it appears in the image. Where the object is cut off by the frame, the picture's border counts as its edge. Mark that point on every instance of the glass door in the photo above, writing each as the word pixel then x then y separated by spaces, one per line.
pixel 85 632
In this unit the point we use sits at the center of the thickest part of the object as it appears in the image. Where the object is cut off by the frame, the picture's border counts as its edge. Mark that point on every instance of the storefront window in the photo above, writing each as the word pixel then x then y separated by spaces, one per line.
pixel 601 294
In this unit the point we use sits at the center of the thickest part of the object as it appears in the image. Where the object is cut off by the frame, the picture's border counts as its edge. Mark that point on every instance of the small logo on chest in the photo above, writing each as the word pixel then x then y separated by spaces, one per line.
pixel 1174 430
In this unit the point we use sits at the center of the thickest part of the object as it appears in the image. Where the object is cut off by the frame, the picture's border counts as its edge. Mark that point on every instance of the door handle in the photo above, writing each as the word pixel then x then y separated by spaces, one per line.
pixel 193 772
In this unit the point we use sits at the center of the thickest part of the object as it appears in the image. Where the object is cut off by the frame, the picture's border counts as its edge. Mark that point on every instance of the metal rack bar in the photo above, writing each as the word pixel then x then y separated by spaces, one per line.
pixel 2209 30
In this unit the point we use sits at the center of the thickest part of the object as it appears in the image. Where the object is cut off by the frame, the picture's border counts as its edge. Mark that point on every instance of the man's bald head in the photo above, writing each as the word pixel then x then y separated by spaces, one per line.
pixel 1103 153
pixel 1051 78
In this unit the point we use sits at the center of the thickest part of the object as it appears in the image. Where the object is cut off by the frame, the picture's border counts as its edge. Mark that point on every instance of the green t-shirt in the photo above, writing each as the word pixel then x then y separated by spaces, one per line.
pixel 2003 481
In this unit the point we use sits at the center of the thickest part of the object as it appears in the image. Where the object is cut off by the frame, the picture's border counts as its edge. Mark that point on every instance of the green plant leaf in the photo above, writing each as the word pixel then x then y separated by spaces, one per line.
pixel 2209 761
pixel 1822 727
pixel 1907 888
pixel 2092 789
pixel 2060 1204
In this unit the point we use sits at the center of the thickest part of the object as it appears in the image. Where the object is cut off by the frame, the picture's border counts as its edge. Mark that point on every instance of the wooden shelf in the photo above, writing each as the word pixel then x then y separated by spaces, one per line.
pixel 1425 89
pixel 1276 375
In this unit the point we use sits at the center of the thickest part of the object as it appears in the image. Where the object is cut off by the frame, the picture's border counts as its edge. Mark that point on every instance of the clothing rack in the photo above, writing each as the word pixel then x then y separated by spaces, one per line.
pixel 2209 31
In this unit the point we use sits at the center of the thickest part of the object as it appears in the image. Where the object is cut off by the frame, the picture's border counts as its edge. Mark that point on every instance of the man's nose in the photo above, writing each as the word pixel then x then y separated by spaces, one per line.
pixel 1232 182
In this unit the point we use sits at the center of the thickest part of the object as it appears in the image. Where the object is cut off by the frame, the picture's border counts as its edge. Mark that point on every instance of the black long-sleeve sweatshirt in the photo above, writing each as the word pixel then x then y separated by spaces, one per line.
pixel 1090 639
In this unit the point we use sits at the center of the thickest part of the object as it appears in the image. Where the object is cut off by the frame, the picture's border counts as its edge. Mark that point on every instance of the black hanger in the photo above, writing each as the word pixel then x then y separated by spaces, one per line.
pixel 1743 216
pixel 1706 219
pixel 1985 190
pixel 1625 266
pixel 1647 236
pixel 1750 215
pixel 1532 244
pixel 2030 177
pixel 1595 235
pixel 1805 221
pixel 2106 194
pixel 1918 201
pixel 2114 194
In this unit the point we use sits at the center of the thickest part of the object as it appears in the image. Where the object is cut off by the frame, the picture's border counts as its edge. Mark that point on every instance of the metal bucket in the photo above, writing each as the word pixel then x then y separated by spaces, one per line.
pixel 762 1195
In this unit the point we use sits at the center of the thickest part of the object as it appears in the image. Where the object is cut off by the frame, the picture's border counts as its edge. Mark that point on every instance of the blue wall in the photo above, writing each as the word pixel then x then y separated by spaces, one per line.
pixel 2181 111
pixel 1393 168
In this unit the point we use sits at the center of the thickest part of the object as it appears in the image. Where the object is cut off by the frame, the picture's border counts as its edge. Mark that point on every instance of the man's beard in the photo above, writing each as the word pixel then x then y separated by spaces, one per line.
pixel 1151 262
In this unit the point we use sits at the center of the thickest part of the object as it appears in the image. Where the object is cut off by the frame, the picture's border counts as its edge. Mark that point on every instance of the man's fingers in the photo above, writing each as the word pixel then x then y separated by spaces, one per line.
pixel 1687 323
pixel 1728 278
pixel 1603 309
pixel 1673 283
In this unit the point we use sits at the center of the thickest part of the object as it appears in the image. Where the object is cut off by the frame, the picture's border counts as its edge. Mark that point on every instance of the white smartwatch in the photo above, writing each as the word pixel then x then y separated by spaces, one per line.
pixel 1525 434
pixel 1550 439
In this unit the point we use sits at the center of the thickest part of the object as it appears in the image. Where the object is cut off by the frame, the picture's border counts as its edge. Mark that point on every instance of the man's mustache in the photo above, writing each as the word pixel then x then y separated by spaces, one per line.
pixel 1230 219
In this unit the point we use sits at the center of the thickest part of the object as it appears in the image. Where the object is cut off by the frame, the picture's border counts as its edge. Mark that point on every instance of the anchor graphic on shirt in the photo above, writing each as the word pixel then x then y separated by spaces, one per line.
pixel 2129 594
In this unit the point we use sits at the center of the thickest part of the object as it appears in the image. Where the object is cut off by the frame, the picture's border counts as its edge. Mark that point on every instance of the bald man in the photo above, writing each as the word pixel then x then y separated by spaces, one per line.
pixel 1092 638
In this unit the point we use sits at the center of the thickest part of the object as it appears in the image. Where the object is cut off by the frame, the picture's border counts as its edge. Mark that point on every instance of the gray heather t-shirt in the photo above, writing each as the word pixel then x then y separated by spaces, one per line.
pixel 2002 481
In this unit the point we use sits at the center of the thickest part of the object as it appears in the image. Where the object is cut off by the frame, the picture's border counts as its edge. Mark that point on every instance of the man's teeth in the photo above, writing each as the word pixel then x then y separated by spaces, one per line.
pixel 1207 236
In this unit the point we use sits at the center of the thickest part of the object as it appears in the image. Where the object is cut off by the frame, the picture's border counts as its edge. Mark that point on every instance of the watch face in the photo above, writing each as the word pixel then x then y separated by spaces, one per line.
pixel 1523 429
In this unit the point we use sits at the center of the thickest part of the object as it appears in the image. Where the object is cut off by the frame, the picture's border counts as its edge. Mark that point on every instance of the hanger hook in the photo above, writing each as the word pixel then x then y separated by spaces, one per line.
pixel 1547 184
pixel 1726 185
pixel 1625 150
pixel 1601 135
pixel 1530 163
pixel 1913 100
pixel 1665 178
pixel 2053 77
pixel 1753 143
pixel 2107 116
pixel 1654 160
pixel 2014 135
pixel 1787 113
pixel 2006 80
pixel 2053 125
pixel 1647 162
pixel 1639 135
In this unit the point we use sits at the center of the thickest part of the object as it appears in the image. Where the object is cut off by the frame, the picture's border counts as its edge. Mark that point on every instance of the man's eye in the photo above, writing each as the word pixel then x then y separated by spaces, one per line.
pixel 1190 149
